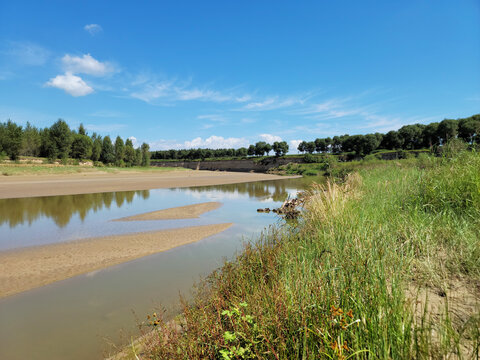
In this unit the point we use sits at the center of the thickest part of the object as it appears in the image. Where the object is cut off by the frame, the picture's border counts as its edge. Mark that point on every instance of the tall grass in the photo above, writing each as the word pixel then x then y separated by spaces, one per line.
pixel 367 272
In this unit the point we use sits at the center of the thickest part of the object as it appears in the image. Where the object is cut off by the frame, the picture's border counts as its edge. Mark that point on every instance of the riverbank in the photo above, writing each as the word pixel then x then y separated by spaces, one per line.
pixel 32 267
pixel 383 264
pixel 29 185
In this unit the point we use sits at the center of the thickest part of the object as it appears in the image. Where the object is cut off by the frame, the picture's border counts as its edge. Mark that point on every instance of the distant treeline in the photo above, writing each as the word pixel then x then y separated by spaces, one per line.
pixel 60 142
pixel 408 137
pixel 261 148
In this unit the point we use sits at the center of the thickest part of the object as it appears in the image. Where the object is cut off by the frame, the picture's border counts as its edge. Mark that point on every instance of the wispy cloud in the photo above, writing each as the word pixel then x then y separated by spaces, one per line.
pixel 107 128
pixel 107 114
pixel 275 102
pixel 71 84
pixel 27 53
pixel 93 29
pixel 86 64
pixel 171 90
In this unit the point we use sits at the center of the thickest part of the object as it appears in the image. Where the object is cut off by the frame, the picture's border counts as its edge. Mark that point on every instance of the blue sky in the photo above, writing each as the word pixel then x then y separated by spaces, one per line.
pixel 181 74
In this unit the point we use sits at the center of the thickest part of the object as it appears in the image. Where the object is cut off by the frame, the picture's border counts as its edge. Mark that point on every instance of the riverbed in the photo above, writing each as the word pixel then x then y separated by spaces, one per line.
pixel 91 315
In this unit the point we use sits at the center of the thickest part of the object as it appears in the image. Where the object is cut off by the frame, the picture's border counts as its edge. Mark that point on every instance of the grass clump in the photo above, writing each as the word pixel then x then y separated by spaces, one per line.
pixel 376 268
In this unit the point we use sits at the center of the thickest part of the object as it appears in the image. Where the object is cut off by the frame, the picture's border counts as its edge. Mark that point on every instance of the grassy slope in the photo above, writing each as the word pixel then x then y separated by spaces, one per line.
pixel 56 169
pixel 385 265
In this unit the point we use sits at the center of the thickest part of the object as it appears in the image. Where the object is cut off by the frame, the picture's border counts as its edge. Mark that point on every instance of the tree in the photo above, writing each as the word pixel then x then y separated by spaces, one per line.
pixel 280 148
pixel 392 141
pixel 320 145
pixel 302 147
pixel 108 153
pixel 81 146
pixel 119 151
pixel 96 147
pixel 11 139
pixel 145 155
pixel 430 135
pixel 310 147
pixel 138 157
pixel 268 148
pixel 81 130
pixel 129 153
pixel 469 129
pixel 241 152
pixel 61 137
pixel 411 136
pixel 31 141
pixel 251 150
pixel 260 148
pixel 447 129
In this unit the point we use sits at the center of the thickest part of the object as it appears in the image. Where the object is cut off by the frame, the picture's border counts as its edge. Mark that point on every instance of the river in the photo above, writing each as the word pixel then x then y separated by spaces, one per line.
pixel 91 315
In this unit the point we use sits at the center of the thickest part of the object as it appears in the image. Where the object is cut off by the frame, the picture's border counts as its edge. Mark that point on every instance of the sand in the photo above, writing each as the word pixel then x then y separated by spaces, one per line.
pixel 180 212
pixel 85 183
pixel 32 267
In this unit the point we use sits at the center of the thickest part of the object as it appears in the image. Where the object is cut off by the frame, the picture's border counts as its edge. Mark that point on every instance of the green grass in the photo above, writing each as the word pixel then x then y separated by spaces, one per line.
pixel 15 169
pixel 372 270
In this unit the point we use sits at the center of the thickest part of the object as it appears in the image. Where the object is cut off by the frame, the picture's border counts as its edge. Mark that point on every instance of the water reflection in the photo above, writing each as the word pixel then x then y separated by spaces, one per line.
pixel 61 208
pixel 275 190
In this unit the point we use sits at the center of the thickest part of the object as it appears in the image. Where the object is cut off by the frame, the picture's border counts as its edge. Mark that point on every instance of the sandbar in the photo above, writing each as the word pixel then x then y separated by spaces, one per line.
pixel 86 183
pixel 179 212
pixel 32 267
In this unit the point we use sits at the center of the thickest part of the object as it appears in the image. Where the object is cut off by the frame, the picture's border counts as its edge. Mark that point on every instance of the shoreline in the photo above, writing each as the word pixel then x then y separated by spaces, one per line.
pixel 22 186
pixel 32 267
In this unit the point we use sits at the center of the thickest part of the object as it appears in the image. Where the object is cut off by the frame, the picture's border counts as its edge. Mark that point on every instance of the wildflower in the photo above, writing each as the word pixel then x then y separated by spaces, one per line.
pixel 350 314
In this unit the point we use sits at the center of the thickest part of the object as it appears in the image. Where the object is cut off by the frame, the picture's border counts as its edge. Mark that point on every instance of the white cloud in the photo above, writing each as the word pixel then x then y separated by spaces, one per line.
pixel 270 138
pixel 216 142
pixel 93 29
pixel 71 84
pixel 86 65
pixel 294 145
pixel 212 142
pixel 28 53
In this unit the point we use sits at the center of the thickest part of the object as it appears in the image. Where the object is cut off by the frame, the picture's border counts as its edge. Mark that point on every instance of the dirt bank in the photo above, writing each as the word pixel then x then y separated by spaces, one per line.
pixel 31 267
pixel 180 212
pixel 84 183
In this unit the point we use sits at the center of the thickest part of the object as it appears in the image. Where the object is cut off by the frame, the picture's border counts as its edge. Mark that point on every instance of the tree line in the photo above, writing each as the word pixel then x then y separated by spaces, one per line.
pixel 408 137
pixel 60 142
pixel 261 148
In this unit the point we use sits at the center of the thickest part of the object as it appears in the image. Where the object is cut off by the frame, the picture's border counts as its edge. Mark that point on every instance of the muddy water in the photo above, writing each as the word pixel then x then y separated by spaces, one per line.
pixel 85 317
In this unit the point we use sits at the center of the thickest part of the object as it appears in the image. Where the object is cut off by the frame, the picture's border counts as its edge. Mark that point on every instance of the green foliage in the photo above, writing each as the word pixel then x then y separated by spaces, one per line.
pixel 60 139
pixel 10 139
pixel 119 151
pixel 341 283
pixel 96 147
pixel 454 185
pixel 145 155
pixel 81 147
pixel 31 141
pixel 107 155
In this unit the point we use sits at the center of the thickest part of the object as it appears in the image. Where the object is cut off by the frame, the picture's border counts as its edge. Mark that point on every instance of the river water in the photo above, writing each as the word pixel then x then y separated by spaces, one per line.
pixel 89 316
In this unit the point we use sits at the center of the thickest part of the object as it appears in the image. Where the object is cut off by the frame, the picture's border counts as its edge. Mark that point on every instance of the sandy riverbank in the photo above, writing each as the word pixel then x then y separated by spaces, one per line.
pixel 180 212
pixel 32 267
pixel 84 183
